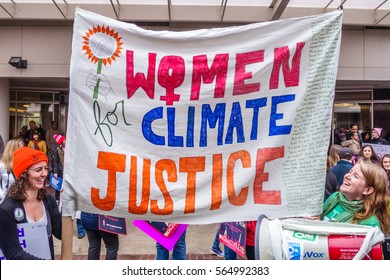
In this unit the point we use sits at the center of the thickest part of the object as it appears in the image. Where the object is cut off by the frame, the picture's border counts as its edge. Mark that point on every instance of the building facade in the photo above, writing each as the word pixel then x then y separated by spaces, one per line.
pixel 40 91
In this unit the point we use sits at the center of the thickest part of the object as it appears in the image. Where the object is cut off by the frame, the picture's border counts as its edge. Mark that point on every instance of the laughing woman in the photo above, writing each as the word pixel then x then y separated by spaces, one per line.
pixel 362 198
pixel 27 202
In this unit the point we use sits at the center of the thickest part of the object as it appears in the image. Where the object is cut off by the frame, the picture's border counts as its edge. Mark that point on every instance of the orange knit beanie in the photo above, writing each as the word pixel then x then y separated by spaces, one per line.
pixel 25 157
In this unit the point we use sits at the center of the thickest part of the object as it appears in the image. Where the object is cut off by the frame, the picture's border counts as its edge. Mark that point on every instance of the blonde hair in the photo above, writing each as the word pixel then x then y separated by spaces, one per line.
pixel 8 155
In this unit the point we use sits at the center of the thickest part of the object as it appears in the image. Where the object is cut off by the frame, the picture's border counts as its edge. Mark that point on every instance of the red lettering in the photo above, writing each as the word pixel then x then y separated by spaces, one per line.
pixel 240 75
pixel 137 81
pixel 218 70
pixel 171 73
pixel 281 59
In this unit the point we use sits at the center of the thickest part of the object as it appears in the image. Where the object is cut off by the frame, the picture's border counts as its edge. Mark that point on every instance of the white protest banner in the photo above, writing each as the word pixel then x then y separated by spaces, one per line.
pixel 33 239
pixel 380 150
pixel 200 126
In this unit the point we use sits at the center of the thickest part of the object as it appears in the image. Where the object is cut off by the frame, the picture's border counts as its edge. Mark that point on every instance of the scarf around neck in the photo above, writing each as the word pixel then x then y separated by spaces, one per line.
pixel 350 207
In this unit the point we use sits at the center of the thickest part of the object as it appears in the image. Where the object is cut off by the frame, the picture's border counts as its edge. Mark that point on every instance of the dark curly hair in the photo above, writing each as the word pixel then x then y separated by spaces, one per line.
pixel 18 190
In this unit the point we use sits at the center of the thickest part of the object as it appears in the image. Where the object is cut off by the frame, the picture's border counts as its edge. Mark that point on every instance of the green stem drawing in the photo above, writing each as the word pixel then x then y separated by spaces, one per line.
pixel 99 71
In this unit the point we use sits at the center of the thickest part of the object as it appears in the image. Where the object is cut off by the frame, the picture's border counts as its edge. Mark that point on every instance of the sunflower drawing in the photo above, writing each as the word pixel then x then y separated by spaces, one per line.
pixel 102 45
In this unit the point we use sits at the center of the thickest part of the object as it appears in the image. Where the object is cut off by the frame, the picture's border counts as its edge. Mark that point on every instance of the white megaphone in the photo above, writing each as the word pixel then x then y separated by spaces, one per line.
pixel 303 239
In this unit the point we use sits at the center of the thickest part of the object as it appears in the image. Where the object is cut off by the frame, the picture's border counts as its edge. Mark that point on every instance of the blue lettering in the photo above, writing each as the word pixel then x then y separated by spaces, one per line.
pixel 255 104
pixel 20 232
pixel 173 140
pixel 23 243
pixel 212 118
pixel 235 122
pixel 190 126
pixel 314 255
pixel 308 254
pixel 147 121
pixel 273 128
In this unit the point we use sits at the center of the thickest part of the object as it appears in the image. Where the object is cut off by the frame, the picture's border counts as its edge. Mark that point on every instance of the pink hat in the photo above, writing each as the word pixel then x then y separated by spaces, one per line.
pixel 378 130
pixel 59 138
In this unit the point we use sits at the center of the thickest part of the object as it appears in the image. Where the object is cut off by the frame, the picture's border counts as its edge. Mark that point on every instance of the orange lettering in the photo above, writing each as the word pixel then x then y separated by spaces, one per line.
pixel 216 183
pixel 161 166
pixel 239 199
pixel 143 207
pixel 191 165
pixel 113 163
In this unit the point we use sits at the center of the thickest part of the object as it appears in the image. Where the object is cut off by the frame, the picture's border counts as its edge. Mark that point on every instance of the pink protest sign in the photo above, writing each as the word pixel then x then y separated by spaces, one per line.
pixel 167 241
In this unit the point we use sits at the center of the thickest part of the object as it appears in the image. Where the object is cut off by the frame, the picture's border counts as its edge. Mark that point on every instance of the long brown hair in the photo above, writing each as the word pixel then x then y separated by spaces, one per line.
pixel 383 158
pixel 333 156
pixel 18 190
pixel 374 157
pixel 377 202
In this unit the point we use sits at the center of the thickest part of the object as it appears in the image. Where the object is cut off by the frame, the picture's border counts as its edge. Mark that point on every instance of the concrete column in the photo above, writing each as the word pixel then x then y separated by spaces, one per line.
pixel 4 109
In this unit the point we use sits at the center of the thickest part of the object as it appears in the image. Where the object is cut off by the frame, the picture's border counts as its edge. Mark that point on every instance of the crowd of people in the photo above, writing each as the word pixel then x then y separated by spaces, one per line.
pixel 349 137
pixel 357 184
pixel 357 191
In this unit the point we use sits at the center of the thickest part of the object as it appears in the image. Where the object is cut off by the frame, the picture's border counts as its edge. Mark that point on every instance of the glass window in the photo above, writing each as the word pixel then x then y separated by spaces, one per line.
pixel 30 96
pixel 347 113
pixel 382 94
pixel 353 95
pixel 39 106
pixel 382 118
pixel 21 114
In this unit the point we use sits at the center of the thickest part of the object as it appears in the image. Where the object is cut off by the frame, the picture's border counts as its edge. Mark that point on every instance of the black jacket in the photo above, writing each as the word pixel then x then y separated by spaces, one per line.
pixel 331 184
pixel 380 141
pixel 9 240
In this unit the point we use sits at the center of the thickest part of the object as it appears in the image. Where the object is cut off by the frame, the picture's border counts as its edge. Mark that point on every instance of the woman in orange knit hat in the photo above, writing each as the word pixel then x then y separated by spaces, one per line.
pixel 28 202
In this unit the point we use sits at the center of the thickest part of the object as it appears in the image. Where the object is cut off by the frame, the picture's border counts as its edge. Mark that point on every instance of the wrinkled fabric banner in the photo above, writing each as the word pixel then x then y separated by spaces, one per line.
pixel 202 126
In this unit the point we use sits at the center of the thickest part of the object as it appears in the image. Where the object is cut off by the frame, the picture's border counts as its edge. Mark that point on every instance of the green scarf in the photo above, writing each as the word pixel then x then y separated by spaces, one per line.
pixel 350 207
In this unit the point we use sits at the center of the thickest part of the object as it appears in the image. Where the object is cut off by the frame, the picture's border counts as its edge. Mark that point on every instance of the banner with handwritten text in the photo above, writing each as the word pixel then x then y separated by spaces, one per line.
pixel 200 126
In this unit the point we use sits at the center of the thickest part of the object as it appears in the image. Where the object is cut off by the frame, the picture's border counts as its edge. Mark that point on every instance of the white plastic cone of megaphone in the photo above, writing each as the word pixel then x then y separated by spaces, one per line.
pixel 303 239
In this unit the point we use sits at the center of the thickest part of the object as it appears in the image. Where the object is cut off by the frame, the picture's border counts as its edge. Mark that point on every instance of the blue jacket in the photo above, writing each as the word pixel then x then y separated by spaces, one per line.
pixel 340 169
pixel 90 221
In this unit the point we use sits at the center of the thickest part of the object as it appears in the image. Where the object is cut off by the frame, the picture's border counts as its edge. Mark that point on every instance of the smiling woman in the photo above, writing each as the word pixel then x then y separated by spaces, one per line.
pixel 27 203
pixel 362 198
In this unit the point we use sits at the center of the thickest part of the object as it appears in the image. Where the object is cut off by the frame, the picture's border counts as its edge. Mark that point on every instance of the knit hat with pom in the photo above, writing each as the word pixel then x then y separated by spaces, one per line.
pixel 59 138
